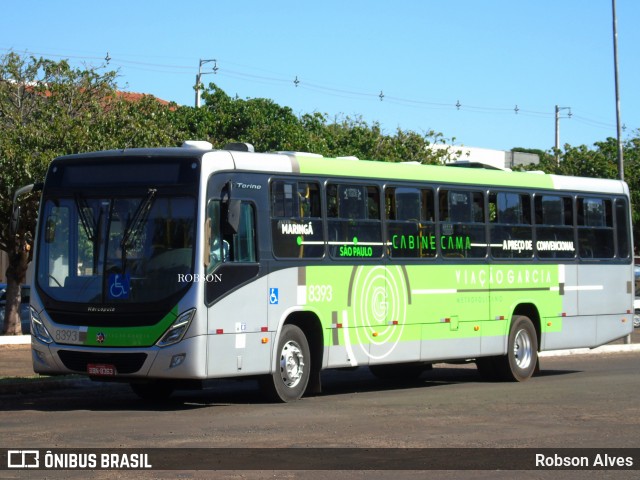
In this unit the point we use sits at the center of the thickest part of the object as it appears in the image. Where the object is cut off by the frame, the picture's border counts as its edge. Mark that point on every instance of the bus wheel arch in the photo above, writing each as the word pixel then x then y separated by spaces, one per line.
pixel 311 326
pixel 530 311
pixel 521 360
pixel 298 353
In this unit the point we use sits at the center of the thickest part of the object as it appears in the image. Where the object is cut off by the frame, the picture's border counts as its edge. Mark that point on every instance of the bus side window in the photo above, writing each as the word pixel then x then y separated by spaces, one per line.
pixel 554 223
pixel 216 250
pixel 595 228
pixel 622 228
pixel 243 242
pixel 462 228
pixel 296 219
pixel 354 223
pixel 223 245
pixel 510 219
pixel 410 227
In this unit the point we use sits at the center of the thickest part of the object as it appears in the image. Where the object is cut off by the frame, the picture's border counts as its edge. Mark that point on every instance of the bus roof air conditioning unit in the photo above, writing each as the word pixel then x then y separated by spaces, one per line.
pixel 199 144
pixel 239 147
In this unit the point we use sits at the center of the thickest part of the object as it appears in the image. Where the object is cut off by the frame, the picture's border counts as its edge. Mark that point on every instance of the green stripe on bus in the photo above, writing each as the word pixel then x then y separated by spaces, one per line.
pixel 425 173
pixel 130 336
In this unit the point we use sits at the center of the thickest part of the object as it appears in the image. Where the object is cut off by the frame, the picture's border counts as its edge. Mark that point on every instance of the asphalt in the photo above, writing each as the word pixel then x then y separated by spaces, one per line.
pixel 17 376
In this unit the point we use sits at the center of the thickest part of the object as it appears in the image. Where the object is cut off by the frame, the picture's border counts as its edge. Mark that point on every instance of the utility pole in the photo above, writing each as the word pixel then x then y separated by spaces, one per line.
pixel 627 339
pixel 558 129
pixel 200 74
pixel 615 68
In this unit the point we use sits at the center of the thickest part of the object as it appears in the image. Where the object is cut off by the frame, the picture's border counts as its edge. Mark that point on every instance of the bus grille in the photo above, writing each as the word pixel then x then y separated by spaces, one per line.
pixel 124 362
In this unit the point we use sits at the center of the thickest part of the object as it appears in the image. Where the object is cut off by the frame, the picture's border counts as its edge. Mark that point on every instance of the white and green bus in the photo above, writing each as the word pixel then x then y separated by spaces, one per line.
pixel 167 267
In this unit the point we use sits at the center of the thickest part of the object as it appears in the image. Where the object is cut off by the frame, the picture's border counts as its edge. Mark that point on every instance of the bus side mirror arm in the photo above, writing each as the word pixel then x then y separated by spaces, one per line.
pixel 230 207
pixel 15 212
pixel 233 214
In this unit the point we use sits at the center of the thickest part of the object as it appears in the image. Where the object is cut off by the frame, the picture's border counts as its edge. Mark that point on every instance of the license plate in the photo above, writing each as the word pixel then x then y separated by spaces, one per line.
pixel 101 370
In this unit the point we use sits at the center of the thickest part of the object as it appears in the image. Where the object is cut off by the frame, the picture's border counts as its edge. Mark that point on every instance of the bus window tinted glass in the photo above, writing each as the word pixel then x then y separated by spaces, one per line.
pixel 462 228
pixel 510 218
pixel 595 228
pixel 622 229
pixel 554 227
pixel 354 225
pixel 410 226
pixel 296 223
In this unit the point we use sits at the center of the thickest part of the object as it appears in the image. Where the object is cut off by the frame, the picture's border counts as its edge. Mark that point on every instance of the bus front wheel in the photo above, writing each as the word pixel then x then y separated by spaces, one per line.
pixel 291 376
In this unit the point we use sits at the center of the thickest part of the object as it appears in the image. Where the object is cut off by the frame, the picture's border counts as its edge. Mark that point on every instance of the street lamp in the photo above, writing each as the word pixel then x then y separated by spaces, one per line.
pixel 200 74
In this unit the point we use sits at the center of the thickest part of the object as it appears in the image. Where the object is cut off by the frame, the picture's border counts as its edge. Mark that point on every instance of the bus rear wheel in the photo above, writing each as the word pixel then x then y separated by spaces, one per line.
pixel 291 376
pixel 521 359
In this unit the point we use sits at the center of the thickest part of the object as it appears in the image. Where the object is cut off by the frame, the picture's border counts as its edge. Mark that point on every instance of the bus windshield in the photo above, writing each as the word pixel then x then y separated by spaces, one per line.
pixel 117 250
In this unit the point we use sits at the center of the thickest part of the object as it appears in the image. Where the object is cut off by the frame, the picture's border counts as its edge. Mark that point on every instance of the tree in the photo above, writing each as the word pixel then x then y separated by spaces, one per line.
pixel 49 109
pixel 259 121
pixel 45 107
pixel 271 127
pixel 631 156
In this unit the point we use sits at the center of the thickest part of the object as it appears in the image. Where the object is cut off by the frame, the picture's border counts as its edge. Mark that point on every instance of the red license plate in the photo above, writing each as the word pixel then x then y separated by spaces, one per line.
pixel 101 370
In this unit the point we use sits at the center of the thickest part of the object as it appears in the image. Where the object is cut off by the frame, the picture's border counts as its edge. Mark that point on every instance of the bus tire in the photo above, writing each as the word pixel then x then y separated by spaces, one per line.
pixel 521 359
pixel 153 391
pixel 293 368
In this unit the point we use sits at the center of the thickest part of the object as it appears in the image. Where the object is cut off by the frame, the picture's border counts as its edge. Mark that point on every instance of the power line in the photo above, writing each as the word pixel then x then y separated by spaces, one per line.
pixel 274 78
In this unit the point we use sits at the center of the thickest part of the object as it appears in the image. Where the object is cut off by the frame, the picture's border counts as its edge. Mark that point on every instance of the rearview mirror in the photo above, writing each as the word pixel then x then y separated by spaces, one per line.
pixel 15 220
pixel 50 230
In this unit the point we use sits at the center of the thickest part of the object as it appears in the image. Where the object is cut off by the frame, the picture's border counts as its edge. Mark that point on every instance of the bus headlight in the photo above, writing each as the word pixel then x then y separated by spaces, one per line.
pixel 177 329
pixel 38 329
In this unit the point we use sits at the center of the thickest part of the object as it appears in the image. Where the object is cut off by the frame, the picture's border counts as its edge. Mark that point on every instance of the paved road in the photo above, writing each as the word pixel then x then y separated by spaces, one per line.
pixel 582 401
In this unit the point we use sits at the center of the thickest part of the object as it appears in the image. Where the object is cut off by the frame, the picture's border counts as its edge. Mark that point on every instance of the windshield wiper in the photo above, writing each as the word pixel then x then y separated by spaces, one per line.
pixel 89 225
pixel 86 218
pixel 134 227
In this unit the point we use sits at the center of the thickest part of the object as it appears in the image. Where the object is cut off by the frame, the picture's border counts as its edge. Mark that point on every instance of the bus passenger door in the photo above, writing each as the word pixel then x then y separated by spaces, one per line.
pixel 234 293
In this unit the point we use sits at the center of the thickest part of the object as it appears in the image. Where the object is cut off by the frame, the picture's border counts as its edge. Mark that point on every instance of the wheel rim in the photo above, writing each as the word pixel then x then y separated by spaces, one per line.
pixel 522 349
pixel 291 364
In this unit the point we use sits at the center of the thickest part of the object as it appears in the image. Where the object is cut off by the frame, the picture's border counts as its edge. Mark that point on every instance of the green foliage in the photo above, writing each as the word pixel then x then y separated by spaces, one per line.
pixel 602 162
pixel 270 127
pixel 259 121
pixel 49 109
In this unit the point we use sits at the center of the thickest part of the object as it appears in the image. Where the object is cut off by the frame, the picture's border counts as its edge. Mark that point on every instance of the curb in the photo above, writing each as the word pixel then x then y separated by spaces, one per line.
pixel 624 348
pixel 15 339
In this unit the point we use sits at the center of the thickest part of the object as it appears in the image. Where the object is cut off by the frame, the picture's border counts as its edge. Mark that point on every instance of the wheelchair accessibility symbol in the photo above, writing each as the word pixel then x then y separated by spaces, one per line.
pixel 273 296
pixel 119 286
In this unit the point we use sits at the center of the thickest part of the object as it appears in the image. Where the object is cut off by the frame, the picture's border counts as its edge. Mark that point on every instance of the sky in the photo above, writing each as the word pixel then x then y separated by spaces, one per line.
pixel 485 74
